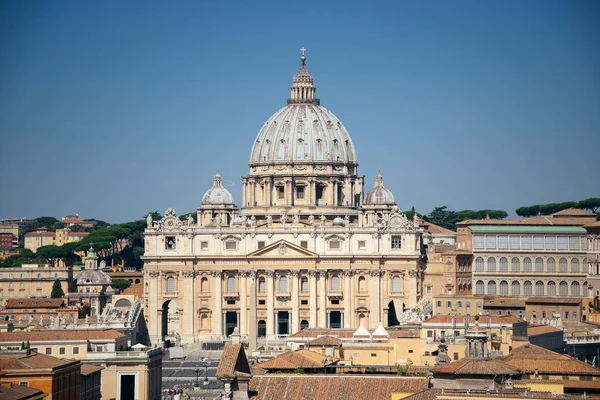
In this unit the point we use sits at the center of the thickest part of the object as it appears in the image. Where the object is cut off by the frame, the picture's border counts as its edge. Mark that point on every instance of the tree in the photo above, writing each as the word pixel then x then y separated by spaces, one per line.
pixel 57 291
pixel 79 228
pixel 592 204
pixel 52 253
pixel 27 345
pixel 120 284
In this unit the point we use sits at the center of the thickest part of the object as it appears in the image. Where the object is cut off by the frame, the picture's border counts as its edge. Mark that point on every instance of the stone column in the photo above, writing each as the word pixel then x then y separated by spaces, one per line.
pixel 313 299
pixel 347 298
pixel 189 315
pixel 243 304
pixel 154 310
pixel 217 313
pixel 375 312
pixel 295 302
pixel 270 305
pixel 323 299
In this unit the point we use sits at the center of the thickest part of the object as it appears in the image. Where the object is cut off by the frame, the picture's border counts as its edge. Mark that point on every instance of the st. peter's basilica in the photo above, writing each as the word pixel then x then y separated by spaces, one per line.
pixel 307 249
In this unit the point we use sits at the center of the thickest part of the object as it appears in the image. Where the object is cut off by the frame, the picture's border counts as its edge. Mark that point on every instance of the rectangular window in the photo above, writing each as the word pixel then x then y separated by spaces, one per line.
pixel 455 356
pixel 514 242
pixel 478 241
pixel 396 242
pixel 304 244
pixel 583 243
pixel 304 302
pixel 373 354
pixel 574 243
pixel 24 384
pixel 169 242
pixel 449 304
pixel 410 351
pixel 262 302
pixel 49 351
pixel 204 245
pixel 429 334
pixel 280 192
pixel 75 350
pixel 459 304
pixel 300 192
pixel 362 245
pixel 543 314
pixel 566 315
pixel 490 241
pixel 335 302
pixel 428 289
pixel 551 242
pixel 261 244
pixel 438 303
pixel 538 242
pixel 534 314
pixel 334 245
pixel 503 242
pixel 526 242
pixel 231 302
pixel 62 350
pixel 231 245
pixel 520 314
pixel 563 243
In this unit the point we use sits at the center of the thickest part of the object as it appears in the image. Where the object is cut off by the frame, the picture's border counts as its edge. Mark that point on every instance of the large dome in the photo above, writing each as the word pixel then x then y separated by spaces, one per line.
pixel 303 131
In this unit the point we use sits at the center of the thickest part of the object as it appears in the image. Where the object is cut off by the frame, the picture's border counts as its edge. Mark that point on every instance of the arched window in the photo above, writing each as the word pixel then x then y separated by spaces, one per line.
pixel 479 264
pixel 527 288
pixel 467 304
pixel 575 265
pixel 396 284
pixel 539 265
pixel 575 292
pixel 170 285
pixel 551 289
pixel 503 264
pixel 137 281
pixel 515 265
pixel 491 287
pixel 491 264
pixel 304 284
pixel 335 283
pixel 503 288
pixel 362 284
pixel 527 264
pixel 262 285
pixel 539 288
pixel 204 284
pixel 231 286
pixel 283 284
pixel 563 289
pixel 551 265
pixel 479 287
pixel 515 288
pixel 303 324
pixel 562 265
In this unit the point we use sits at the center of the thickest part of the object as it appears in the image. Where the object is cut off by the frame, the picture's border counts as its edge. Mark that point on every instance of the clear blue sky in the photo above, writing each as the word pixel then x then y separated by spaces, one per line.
pixel 111 109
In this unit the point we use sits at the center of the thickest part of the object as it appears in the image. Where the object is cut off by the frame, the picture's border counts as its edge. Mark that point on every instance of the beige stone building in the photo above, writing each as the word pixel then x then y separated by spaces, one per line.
pixel 308 250
pixel 32 280
pixel 543 256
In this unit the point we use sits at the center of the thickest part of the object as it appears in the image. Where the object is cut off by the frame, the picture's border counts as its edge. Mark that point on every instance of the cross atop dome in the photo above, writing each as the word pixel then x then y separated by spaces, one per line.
pixel 303 89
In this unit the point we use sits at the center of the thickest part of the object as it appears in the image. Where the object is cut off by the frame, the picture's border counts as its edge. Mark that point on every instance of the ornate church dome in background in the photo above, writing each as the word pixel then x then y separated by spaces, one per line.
pixel 217 194
pixel 303 131
pixel 379 195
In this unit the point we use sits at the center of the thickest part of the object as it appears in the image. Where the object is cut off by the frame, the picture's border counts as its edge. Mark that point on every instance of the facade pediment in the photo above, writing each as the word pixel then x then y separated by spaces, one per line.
pixel 282 249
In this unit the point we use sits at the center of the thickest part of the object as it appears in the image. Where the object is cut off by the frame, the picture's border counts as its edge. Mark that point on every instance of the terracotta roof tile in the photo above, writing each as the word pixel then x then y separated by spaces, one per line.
pixel 541 329
pixel 325 341
pixel 325 387
pixel 18 392
pixel 233 361
pixel 60 335
pixel 528 358
pixel 87 369
pixel 33 361
pixel 305 359
pixel 477 366
pixel 34 303
pixel 574 212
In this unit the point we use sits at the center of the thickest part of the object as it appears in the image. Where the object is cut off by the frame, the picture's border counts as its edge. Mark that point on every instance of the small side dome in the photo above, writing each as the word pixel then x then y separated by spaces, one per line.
pixel 379 195
pixel 217 194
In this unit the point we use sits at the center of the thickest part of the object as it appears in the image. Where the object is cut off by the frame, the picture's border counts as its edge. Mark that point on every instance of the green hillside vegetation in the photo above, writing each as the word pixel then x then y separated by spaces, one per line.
pixel 592 204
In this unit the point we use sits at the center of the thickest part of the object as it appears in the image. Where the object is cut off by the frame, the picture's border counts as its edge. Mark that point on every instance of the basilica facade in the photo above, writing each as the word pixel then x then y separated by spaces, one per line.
pixel 307 249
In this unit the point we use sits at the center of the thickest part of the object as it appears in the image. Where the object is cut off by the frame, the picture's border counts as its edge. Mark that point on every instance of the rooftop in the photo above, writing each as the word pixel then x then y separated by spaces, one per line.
pixel 32 361
pixel 483 320
pixel 43 336
pixel 34 303
pixel 530 358
pixel 233 362
pixel 477 366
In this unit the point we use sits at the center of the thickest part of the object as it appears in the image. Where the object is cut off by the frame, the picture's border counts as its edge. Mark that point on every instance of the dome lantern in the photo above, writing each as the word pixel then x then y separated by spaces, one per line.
pixel 303 89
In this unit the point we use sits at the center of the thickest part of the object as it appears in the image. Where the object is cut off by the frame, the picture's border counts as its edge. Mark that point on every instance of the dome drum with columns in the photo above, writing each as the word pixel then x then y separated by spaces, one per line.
pixel 308 249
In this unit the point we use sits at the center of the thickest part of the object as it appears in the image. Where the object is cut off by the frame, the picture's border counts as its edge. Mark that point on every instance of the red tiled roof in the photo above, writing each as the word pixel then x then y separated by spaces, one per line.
pixel 297 359
pixel 233 361
pixel 42 336
pixel 325 387
pixel 18 392
pixel 78 234
pixel 528 358
pixel 574 212
pixel 477 366
pixel 32 361
pixel 39 234
pixel 540 330
pixel 34 303
pixel 325 341
pixel 87 369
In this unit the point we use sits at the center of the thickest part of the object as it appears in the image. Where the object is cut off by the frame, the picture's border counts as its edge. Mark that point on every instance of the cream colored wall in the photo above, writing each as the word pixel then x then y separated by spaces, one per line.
pixel 362 356
pixel 35 242
pixel 31 282
pixel 110 377
pixel 540 386
pixel 55 348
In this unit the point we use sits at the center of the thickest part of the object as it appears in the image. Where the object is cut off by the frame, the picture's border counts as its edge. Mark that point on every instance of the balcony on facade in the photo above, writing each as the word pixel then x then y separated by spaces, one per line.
pixel 171 294
pixel 231 295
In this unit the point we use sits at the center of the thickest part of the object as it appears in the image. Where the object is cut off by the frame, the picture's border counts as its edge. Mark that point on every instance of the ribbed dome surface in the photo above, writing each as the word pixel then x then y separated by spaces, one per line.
pixel 303 132
pixel 379 195
pixel 217 194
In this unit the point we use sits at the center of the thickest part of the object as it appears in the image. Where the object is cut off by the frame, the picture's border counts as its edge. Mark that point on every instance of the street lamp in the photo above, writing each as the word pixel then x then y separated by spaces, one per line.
pixel 197 371
pixel 205 361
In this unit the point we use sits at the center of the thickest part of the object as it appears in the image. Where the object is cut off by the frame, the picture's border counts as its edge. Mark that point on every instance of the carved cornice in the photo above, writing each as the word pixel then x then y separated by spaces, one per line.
pixel 188 274
pixel 216 274
pixel 153 274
